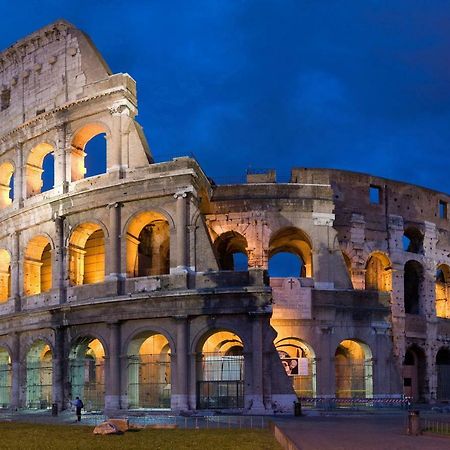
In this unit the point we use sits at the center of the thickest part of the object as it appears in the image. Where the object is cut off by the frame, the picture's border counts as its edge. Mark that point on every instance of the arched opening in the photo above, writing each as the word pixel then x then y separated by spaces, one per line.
pixel 6 184
pixel 353 369
pixel 220 372
pixel 87 255
pixel 413 282
pixel 5 275
pixel 443 374
pixel 290 254
pixel 378 273
pixel 39 376
pixel 348 264
pixel 88 153
pixel 35 169
pixel 148 245
pixel 48 174
pixel 299 362
pixel 414 369
pixel 412 240
pixel 231 250
pixel 442 291
pixel 38 266
pixel 5 378
pixel 149 372
pixel 87 373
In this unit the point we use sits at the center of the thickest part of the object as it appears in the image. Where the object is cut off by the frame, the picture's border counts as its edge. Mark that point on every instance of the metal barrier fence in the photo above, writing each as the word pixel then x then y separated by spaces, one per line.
pixel 435 426
pixel 191 423
pixel 329 403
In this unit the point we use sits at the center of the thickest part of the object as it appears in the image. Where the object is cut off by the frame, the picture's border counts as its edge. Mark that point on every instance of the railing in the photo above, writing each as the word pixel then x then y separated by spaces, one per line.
pixel 437 426
pixel 330 403
pixel 195 422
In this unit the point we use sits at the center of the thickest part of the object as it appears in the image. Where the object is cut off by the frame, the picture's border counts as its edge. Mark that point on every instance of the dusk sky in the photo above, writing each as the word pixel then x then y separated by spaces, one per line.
pixel 359 85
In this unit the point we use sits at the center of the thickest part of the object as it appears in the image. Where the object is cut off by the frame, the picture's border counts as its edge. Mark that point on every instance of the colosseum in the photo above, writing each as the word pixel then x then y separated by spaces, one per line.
pixel 146 286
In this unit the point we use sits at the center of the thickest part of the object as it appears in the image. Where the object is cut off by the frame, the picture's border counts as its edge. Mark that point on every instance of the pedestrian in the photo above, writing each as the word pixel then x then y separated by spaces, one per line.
pixel 78 406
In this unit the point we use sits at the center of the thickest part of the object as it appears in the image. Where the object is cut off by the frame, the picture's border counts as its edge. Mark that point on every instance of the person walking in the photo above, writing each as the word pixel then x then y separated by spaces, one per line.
pixel 78 406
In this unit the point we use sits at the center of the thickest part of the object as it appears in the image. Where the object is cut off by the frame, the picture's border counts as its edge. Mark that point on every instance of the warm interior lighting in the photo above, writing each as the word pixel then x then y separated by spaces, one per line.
pixel 148 245
pixel 87 255
pixel 37 266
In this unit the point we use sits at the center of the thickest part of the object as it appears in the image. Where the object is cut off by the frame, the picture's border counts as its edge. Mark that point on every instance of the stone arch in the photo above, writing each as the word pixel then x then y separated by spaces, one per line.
pixel 227 246
pixel 148 244
pixel 353 369
pixel 39 371
pixel 5 275
pixel 149 370
pixel 299 362
pixel 443 374
pixel 87 371
pixel 5 376
pixel 412 240
pixel 413 286
pixel 80 139
pixel 7 170
pixel 414 372
pixel 220 371
pixel 37 277
pixel 378 275
pixel 294 241
pixel 442 285
pixel 87 254
pixel 34 167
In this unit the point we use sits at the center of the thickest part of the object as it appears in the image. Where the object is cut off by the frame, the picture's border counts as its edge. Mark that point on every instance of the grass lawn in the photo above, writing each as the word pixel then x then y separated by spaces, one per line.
pixel 25 436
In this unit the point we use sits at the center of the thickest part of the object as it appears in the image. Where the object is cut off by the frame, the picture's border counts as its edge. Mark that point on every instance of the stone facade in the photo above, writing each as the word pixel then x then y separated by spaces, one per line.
pixel 122 287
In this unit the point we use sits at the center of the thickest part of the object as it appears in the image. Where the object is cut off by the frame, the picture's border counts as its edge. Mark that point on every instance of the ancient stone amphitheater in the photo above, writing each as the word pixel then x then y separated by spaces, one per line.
pixel 146 286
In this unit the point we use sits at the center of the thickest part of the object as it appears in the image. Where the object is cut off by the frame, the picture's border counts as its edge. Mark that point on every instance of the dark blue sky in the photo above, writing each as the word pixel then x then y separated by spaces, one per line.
pixel 357 85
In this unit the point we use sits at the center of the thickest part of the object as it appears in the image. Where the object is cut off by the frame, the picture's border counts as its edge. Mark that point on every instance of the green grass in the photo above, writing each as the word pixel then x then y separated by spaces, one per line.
pixel 25 436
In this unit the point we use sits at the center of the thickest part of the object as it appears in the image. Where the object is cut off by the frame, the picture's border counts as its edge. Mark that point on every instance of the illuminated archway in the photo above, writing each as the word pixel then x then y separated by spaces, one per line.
pixel 5 275
pixel 299 362
pixel 231 248
pixel 148 245
pixel 39 376
pixel 34 168
pixel 442 291
pixel 5 378
pixel 87 254
pixel 79 150
pixel 378 273
pixel 37 266
pixel 353 369
pixel 292 241
pixel 220 372
pixel 6 184
pixel 149 371
pixel 87 372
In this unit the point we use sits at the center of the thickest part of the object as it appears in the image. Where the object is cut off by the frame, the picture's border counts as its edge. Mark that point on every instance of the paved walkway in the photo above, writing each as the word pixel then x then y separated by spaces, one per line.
pixel 358 432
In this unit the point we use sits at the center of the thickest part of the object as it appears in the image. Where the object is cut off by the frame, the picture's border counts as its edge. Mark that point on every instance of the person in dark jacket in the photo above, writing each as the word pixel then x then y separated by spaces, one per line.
pixel 78 406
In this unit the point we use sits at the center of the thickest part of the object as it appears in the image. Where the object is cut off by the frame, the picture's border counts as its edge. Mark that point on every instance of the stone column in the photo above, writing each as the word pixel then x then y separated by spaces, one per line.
pixel 112 397
pixel 60 161
pixel 255 400
pixel 323 273
pixel 18 178
pixel 113 262
pixel 120 113
pixel 16 371
pixel 59 266
pixel 181 231
pixel 325 369
pixel 16 272
pixel 180 378
pixel 58 366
